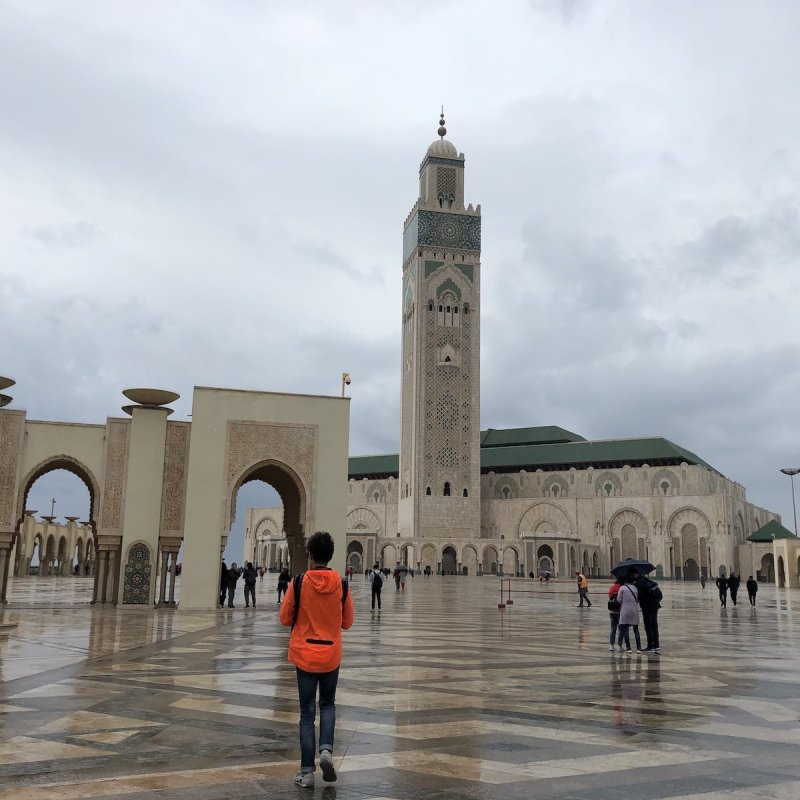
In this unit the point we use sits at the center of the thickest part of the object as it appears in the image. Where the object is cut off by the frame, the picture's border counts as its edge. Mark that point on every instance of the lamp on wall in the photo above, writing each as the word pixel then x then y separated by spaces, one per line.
pixel 345 381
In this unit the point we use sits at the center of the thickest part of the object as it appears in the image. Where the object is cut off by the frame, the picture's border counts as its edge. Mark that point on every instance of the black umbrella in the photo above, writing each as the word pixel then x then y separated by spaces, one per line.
pixel 632 565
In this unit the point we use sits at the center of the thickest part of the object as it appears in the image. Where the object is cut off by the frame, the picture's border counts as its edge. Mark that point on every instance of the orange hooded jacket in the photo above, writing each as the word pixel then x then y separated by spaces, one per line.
pixel 316 641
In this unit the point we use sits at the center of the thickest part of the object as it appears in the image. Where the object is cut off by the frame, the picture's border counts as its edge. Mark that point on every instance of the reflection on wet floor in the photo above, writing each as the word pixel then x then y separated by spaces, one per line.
pixel 441 694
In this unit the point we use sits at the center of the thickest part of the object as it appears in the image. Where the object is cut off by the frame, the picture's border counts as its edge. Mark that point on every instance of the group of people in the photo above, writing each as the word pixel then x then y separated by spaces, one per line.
pixel 627 597
pixel 229 578
pixel 731 584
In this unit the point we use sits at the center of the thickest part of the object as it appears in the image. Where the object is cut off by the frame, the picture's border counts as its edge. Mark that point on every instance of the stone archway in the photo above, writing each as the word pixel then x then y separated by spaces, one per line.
pixel 767 571
pixel 691 570
pixel 24 543
pixel 449 563
pixel 510 561
pixel 490 560
pixel 469 561
pixel 355 556
pixel 293 494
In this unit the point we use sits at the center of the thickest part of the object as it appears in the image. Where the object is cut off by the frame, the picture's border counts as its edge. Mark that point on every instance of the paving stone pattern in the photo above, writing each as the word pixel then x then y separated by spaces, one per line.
pixel 441 695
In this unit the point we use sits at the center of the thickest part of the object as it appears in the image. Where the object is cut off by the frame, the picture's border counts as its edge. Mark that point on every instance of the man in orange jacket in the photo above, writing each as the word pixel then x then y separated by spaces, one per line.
pixel 318 606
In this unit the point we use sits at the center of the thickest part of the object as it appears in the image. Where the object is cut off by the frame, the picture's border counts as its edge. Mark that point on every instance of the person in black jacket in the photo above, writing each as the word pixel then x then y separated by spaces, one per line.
pixel 733 585
pixel 649 603
pixel 752 589
pixel 233 575
pixel 223 582
pixel 250 574
pixel 722 585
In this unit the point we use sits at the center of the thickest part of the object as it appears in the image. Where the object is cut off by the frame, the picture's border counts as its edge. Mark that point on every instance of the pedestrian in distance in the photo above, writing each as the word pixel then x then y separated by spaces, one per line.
pixel 733 585
pixel 283 582
pixel 583 589
pixel 250 576
pixel 613 611
pixel 318 606
pixel 752 590
pixel 403 575
pixel 396 576
pixel 628 597
pixel 702 581
pixel 376 579
pixel 722 585
pixel 233 576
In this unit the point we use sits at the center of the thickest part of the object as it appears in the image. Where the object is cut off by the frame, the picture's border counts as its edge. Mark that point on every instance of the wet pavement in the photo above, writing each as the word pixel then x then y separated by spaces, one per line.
pixel 441 695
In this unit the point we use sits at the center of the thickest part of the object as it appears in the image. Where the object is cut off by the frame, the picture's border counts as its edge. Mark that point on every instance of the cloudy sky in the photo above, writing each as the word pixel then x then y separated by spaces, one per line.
pixel 212 193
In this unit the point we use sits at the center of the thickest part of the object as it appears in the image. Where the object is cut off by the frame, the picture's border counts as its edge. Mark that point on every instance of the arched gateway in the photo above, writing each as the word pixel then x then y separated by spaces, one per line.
pixel 155 485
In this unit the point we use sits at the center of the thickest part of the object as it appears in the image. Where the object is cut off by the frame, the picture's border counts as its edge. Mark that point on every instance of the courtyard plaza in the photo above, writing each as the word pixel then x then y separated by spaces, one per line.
pixel 441 695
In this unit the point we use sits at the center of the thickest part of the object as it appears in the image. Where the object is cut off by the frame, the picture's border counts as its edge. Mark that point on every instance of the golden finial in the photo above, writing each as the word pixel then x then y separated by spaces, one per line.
pixel 442 130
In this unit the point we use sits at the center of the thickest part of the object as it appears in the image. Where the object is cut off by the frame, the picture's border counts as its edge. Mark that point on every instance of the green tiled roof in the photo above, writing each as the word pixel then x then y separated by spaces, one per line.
pixel 655 451
pixel 772 530
pixel 374 466
pixel 546 434
pixel 548 448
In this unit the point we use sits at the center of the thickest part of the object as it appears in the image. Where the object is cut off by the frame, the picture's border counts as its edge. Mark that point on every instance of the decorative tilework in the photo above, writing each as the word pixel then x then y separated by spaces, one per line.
pixel 445 181
pixel 432 266
pixel 447 162
pixel 448 285
pixel 136 589
pixel 440 229
pixel 468 270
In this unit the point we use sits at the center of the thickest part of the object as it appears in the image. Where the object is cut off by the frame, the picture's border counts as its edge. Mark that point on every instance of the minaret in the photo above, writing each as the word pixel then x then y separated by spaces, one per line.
pixel 440 438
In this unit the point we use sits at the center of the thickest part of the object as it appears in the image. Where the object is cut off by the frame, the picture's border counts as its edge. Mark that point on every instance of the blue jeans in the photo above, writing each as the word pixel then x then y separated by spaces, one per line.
pixel 623 634
pixel 614 623
pixel 307 691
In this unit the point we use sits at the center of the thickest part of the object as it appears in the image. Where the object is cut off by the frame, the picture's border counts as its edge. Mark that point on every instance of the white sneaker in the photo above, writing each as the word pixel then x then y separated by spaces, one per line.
pixel 305 779
pixel 627 652
pixel 326 765
pixel 611 649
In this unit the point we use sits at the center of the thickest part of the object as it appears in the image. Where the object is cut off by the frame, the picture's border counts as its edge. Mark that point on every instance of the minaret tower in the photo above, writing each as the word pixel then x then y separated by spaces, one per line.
pixel 440 438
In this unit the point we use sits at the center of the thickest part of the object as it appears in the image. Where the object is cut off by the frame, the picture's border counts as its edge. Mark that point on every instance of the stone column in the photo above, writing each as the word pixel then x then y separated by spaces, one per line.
pixel 172 576
pixel 162 585
pixel 6 543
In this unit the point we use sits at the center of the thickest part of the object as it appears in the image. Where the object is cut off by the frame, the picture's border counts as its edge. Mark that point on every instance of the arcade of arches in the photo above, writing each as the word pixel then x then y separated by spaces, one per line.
pixel 135 527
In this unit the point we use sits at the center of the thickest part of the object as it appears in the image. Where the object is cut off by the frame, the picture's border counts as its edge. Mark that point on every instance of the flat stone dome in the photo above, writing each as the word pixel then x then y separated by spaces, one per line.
pixel 443 149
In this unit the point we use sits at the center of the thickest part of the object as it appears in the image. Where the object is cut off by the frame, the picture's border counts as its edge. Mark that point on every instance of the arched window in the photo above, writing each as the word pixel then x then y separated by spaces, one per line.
pixel 664 487
pixel 505 491
pixel 428 491
pixel 466 492
pixel 608 488
pixel 446 489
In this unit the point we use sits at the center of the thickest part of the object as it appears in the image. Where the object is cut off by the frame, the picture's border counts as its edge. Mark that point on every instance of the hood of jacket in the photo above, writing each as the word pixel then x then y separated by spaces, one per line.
pixel 323 581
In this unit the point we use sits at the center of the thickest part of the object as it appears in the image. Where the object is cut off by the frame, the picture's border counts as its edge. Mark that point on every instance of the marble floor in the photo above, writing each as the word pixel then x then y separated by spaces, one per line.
pixel 441 695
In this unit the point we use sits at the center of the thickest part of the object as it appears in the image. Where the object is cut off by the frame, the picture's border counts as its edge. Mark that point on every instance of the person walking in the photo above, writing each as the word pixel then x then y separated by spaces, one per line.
pixel 613 611
pixel 318 606
pixel 223 583
pixel 233 576
pixel 583 590
pixel 628 597
pixel 283 583
pixel 250 574
pixel 650 597
pixel 752 590
pixel 396 576
pixel 376 579
pixel 403 570
pixel 733 584
pixel 722 585
pixel 702 581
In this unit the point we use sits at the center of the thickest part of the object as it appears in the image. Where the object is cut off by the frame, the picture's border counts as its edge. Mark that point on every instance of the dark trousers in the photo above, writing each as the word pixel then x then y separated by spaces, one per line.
pixel 250 592
pixel 376 592
pixel 231 593
pixel 752 596
pixel 734 592
pixel 307 683
pixel 624 636
pixel 650 619
pixel 584 595
pixel 723 597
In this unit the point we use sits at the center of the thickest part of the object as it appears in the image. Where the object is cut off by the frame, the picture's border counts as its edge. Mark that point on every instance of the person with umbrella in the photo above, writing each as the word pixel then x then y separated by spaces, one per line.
pixel 628 598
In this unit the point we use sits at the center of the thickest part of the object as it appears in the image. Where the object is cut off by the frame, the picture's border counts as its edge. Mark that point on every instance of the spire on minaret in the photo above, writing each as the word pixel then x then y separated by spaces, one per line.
pixel 442 130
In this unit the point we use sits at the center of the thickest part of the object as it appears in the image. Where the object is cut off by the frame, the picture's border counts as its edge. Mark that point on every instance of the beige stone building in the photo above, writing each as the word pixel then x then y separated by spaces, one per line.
pixel 156 485
pixel 510 502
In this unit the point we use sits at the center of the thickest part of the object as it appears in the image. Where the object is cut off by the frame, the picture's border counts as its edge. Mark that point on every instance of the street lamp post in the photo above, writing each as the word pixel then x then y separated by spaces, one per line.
pixel 791 472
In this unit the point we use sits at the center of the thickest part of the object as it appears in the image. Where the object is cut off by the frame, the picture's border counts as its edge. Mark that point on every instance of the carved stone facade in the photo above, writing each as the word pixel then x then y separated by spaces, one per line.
pixel 114 481
pixel 176 472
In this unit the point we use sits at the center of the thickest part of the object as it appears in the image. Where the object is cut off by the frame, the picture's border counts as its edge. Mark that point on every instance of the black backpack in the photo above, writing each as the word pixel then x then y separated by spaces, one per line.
pixel 377 580
pixel 297 584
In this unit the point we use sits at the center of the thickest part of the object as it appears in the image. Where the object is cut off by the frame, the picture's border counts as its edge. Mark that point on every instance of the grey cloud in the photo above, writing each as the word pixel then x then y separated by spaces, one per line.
pixel 76 234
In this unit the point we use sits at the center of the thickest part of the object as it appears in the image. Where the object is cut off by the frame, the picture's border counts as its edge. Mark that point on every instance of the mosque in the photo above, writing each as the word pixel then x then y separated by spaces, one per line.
pixel 459 500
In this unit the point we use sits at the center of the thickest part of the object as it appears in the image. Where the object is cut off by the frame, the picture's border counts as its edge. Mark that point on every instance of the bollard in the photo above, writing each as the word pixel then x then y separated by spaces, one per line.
pixel 509 602
pixel 501 604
